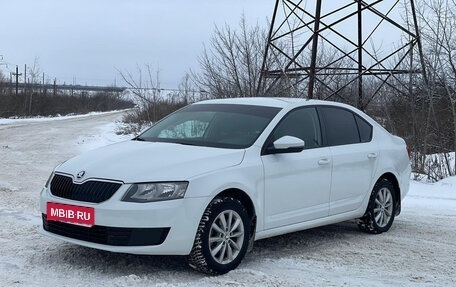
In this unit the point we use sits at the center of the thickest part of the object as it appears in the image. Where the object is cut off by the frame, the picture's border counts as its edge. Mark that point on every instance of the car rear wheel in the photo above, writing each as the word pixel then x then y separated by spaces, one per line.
pixel 381 209
pixel 222 238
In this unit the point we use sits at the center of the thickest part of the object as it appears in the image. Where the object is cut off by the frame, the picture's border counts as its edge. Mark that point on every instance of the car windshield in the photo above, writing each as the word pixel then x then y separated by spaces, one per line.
pixel 213 125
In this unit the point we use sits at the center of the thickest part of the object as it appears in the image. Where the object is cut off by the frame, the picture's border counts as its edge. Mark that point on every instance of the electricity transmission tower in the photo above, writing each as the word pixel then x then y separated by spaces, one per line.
pixel 325 49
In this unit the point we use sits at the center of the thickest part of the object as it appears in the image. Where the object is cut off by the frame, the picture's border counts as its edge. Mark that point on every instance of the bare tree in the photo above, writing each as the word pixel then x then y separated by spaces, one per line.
pixel 439 33
pixel 145 88
pixel 187 91
pixel 231 66
pixel 33 73
pixel 151 101
pixel 426 117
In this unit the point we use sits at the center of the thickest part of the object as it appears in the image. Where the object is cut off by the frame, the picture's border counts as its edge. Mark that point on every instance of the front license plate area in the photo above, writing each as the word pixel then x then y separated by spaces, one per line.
pixel 79 215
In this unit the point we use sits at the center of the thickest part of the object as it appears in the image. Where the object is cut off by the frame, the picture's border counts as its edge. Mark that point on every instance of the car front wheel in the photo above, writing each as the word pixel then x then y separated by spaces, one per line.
pixel 222 238
pixel 381 209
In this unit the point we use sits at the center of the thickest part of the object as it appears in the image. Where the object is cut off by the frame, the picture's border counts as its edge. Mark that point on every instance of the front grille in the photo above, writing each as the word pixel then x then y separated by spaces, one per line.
pixel 115 236
pixel 90 191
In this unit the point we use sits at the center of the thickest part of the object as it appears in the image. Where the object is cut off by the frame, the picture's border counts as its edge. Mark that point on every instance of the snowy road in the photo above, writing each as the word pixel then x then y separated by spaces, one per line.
pixel 419 250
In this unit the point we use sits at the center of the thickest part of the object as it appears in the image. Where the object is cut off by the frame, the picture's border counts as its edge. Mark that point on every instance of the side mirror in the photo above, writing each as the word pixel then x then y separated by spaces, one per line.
pixel 286 144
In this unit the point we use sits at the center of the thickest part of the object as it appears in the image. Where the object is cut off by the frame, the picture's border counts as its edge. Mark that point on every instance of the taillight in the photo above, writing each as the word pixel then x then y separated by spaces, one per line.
pixel 409 152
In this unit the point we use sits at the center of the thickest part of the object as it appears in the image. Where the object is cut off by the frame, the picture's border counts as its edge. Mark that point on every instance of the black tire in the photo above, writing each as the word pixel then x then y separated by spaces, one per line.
pixel 381 209
pixel 221 243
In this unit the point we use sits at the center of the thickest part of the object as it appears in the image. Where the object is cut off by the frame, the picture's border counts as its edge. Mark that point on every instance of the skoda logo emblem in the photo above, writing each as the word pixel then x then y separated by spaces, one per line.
pixel 80 174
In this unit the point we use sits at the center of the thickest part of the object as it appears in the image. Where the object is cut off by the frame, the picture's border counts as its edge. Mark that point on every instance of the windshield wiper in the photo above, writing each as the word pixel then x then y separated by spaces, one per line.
pixel 138 139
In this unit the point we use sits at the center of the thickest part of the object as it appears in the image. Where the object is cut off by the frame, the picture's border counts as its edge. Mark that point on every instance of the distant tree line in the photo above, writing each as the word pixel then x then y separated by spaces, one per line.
pixel 41 102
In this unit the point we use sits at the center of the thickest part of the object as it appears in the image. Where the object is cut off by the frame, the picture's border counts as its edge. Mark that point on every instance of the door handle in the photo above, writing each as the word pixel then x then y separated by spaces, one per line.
pixel 323 161
pixel 372 155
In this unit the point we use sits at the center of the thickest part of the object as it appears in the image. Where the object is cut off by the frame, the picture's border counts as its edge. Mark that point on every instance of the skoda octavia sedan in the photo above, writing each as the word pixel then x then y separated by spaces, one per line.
pixel 213 177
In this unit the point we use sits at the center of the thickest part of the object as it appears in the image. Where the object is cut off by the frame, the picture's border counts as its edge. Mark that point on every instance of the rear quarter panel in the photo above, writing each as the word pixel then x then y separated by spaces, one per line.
pixel 394 159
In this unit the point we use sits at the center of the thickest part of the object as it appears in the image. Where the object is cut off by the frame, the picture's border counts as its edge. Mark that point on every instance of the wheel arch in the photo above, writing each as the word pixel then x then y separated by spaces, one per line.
pixel 245 199
pixel 397 190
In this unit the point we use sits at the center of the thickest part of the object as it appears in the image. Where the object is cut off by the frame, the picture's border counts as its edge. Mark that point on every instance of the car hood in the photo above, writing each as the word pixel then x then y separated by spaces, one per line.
pixel 136 161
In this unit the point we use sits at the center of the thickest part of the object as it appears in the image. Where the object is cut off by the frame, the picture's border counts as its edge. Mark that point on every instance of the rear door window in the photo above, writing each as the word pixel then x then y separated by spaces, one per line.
pixel 340 125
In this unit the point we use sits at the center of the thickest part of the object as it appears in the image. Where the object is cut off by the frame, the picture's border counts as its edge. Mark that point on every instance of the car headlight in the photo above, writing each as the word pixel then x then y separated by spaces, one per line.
pixel 155 191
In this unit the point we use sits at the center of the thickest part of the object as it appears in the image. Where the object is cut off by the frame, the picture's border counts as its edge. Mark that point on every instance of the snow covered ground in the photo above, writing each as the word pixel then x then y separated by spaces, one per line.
pixel 419 250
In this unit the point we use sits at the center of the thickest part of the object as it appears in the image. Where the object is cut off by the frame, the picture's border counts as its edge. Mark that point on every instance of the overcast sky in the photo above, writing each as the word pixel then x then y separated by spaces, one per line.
pixel 87 40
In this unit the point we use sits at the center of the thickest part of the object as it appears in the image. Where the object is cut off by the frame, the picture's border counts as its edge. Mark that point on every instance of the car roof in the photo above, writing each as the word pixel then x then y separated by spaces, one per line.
pixel 289 103
pixel 272 102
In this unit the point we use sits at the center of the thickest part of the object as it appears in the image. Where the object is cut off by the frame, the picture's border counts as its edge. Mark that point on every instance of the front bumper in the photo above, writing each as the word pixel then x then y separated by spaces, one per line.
pixel 155 228
pixel 115 236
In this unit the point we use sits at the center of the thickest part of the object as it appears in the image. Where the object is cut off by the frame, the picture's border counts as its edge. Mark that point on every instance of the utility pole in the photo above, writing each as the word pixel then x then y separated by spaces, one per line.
pixel 25 88
pixel 17 79
pixel 1 60
pixel 3 64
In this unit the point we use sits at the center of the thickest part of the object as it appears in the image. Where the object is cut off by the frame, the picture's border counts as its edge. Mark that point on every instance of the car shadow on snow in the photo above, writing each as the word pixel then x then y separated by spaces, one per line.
pixel 310 240
pixel 301 244
pixel 116 264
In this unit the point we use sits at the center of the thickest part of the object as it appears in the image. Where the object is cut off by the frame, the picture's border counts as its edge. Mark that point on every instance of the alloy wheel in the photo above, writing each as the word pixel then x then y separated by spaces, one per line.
pixel 383 209
pixel 226 237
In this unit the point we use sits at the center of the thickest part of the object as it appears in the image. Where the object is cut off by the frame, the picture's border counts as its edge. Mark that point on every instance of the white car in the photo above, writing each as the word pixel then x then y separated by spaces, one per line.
pixel 211 178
